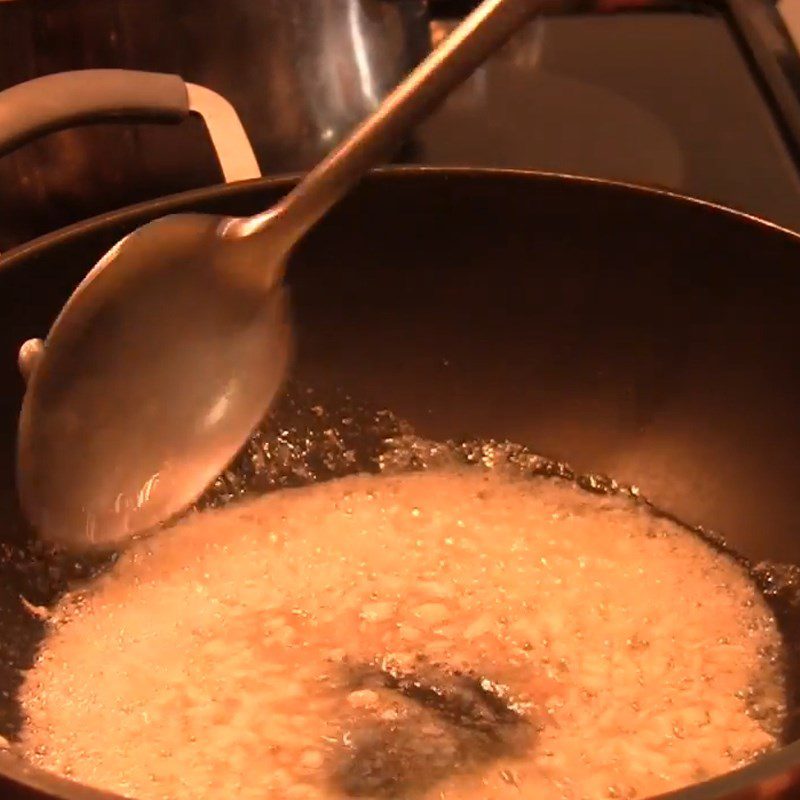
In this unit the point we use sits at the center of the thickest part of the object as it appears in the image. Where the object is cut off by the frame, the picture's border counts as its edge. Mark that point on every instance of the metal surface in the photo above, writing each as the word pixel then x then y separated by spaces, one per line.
pixel 669 99
pixel 768 42
pixel 601 341
pixel 171 350
pixel 299 73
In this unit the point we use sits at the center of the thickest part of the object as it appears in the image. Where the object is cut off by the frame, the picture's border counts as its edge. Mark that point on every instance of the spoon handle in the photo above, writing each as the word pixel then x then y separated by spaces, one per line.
pixel 485 30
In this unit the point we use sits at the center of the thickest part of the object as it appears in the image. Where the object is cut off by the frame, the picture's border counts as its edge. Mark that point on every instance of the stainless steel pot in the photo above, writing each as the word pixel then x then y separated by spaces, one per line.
pixel 299 73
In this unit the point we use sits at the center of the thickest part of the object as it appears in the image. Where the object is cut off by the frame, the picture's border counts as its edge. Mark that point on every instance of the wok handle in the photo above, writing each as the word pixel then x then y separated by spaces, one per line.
pixel 66 99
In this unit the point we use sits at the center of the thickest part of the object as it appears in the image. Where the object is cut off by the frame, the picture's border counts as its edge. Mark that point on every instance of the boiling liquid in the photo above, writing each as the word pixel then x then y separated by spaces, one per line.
pixel 442 635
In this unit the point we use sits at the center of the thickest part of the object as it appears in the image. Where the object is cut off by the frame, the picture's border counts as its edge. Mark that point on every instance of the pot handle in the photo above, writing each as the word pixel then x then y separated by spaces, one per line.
pixel 65 99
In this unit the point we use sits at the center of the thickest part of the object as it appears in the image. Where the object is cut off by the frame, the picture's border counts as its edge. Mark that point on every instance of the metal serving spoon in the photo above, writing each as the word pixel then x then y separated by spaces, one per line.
pixel 173 347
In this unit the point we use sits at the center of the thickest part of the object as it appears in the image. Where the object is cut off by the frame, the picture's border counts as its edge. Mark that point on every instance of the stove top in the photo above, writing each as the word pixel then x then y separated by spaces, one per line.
pixel 701 97
pixel 706 104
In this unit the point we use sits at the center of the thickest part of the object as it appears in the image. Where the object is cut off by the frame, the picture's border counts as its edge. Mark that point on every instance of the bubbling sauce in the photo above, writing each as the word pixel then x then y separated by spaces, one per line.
pixel 446 634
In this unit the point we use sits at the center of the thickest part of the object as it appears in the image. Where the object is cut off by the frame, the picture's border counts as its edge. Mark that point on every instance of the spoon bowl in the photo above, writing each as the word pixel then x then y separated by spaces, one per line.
pixel 156 371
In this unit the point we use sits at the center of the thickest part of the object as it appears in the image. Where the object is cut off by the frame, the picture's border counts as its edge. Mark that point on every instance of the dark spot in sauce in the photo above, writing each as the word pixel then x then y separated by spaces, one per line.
pixel 440 722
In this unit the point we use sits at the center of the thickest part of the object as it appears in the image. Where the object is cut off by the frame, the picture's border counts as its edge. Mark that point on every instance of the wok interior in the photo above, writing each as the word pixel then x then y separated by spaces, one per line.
pixel 626 334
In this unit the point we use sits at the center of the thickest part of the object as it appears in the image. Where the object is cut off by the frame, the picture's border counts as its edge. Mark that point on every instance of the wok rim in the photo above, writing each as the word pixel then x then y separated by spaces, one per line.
pixel 772 773
pixel 173 202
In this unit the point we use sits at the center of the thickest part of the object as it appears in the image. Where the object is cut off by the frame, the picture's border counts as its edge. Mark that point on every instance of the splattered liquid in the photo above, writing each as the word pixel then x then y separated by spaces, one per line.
pixel 442 635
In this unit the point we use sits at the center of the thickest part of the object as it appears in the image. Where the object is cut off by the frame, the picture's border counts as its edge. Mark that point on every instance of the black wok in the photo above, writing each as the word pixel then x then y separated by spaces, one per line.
pixel 626 331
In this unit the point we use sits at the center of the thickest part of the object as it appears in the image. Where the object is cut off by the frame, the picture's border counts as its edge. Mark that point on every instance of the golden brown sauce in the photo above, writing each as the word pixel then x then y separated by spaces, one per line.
pixel 440 635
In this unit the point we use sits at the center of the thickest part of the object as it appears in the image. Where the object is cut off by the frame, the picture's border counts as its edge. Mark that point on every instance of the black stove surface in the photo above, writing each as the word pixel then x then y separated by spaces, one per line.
pixel 668 99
